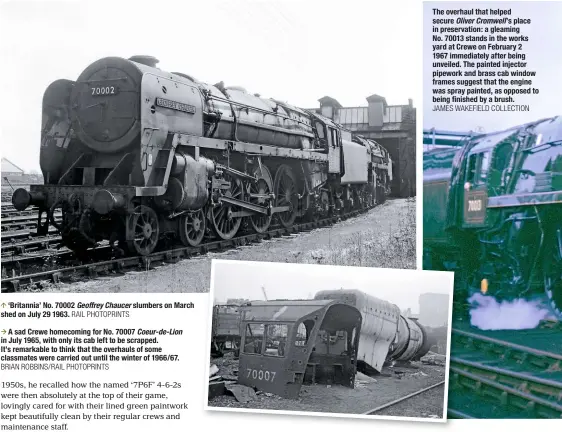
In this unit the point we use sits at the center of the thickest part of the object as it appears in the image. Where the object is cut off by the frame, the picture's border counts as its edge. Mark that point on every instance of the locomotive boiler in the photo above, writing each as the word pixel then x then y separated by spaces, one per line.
pixel 131 153
pixel 493 212
pixel 385 335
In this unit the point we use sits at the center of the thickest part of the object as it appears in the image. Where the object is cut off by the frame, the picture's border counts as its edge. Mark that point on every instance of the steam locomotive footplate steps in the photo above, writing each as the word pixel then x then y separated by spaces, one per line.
pixel 102 262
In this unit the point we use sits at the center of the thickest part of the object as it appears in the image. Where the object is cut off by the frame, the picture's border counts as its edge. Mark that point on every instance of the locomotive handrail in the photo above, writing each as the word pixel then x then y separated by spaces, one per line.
pixel 240 104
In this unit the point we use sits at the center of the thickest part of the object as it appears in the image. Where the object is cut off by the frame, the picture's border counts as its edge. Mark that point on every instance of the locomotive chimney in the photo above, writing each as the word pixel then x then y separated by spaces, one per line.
pixel 145 60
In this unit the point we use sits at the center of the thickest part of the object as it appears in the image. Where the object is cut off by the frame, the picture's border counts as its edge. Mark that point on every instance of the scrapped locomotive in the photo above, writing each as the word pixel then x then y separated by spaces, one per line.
pixel 283 343
pixel 386 335
pixel 131 154
pixel 493 212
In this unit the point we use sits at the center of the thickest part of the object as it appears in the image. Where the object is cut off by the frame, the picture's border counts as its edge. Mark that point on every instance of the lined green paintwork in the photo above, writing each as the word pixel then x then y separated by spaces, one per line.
pixel 492 206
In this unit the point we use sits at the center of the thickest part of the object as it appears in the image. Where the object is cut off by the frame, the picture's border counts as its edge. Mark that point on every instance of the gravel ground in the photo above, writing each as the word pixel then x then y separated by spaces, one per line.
pixel 368 393
pixel 382 237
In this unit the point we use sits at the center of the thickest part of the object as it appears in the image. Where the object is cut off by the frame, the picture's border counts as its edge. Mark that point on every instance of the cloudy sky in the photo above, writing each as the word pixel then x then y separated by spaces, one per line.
pixel 236 279
pixel 292 50
pixel 544 55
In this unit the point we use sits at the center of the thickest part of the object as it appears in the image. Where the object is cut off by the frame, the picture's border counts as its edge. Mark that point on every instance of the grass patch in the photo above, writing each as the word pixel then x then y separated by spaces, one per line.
pixel 394 247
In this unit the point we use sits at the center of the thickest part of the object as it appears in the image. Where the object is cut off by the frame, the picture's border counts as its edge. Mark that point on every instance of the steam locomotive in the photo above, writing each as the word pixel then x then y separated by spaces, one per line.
pixel 132 154
pixel 493 212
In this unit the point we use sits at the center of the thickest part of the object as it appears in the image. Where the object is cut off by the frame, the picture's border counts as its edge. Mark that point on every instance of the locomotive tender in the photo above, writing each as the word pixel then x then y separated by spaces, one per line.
pixel 131 153
pixel 493 212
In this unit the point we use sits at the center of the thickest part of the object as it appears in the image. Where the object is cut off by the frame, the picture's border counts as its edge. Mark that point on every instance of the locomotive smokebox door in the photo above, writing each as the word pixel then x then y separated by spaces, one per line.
pixel 105 107
pixel 476 189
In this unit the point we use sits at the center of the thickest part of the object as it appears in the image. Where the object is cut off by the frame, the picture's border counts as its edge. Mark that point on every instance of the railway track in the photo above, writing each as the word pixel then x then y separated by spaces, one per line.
pixel 398 404
pixel 22 221
pixel 103 262
pixel 27 242
pixel 507 380
pixel 10 211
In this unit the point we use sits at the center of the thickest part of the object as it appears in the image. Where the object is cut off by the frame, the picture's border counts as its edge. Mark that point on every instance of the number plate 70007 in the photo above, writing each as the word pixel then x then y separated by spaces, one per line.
pixel 260 375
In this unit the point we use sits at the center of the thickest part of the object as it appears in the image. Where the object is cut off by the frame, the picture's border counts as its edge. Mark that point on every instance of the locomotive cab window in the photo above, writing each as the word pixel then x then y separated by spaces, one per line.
pixel 320 130
pixel 335 140
pixel 301 338
pixel 478 165
pixel 253 340
pixel 276 339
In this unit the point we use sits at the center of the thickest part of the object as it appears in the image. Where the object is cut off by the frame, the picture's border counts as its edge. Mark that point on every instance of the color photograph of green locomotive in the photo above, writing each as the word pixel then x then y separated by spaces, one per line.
pixel 493 212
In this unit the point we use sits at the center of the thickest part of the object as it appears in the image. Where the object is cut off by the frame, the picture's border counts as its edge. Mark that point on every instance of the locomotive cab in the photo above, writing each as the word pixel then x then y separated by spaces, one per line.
pixel 504 214
pixel 480 174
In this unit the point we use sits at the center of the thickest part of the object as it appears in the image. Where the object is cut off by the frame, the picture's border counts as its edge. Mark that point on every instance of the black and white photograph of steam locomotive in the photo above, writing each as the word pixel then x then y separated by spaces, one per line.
pixel 130 153
pixel 326 339
pixel 138 162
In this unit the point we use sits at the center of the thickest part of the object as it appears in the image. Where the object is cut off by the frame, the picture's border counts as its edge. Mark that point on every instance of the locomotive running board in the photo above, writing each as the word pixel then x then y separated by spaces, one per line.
pixel 249 148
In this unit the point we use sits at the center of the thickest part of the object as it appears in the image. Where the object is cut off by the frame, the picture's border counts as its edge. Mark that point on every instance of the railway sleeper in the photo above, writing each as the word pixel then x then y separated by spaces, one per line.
pixel 485 388
pixel 147 261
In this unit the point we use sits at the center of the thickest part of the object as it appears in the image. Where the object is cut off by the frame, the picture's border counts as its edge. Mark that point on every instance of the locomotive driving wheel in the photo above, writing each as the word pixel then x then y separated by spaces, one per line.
pixel 553 273
pixel 285 187
pixel 143 230
pixel 192 228
pixel 264 186
pixel 224 224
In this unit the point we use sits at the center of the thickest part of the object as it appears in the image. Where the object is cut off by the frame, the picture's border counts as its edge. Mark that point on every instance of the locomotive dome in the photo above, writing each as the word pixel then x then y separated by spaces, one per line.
pixel 104 102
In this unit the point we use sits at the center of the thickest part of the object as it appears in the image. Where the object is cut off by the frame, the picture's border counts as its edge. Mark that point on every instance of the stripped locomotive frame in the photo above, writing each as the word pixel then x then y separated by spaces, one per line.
pixel 131 153
pixel 493 212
